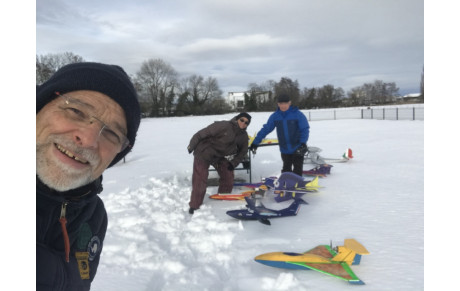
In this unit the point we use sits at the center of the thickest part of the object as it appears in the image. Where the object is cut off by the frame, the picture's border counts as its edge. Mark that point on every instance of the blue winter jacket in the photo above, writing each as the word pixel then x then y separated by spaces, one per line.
pixel 292 129
pixel 86 225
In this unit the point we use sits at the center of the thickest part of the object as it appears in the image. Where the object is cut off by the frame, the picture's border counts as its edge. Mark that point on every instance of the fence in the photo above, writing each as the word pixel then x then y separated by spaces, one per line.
pixel 381 113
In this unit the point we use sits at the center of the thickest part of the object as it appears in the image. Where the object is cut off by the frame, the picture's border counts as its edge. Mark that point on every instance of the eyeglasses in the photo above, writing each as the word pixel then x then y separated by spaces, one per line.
pixel 244 121
pixel 78 112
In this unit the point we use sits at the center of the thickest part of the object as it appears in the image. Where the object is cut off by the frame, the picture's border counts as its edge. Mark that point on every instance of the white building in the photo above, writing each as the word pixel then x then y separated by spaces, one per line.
pixel 236 99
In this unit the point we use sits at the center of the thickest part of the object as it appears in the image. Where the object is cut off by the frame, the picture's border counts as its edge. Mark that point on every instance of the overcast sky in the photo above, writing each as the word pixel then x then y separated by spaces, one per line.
pixel 345 43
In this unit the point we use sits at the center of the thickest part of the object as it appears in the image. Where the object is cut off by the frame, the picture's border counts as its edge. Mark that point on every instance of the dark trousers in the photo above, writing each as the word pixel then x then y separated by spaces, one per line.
pixel 200 179
pixel 292 163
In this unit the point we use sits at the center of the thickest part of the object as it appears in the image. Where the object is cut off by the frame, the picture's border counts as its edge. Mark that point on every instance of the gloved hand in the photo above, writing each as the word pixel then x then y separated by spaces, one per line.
pixel 253 147
pixel 230 167
pixel 301 150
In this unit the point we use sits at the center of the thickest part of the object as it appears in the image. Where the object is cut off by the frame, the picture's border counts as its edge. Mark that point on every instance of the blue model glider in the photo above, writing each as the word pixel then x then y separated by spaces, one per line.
pixel 262 214
pixel 290 185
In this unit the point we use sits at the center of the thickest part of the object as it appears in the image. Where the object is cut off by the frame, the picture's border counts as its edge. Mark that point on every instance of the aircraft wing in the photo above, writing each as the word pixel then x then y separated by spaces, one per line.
pixel 266 212
pixel 287 195
pixel 231 196
pixel 339 270
pixel 264 141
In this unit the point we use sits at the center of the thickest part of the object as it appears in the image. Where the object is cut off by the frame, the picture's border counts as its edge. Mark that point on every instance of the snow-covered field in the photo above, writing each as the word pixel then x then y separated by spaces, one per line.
pixel 152 242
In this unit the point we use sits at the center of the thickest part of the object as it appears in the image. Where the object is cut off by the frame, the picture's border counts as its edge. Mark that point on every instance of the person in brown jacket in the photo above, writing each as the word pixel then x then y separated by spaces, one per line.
pixel 223 144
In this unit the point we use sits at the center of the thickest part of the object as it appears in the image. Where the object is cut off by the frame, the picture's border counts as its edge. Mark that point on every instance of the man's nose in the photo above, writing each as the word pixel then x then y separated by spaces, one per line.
pixel 88 136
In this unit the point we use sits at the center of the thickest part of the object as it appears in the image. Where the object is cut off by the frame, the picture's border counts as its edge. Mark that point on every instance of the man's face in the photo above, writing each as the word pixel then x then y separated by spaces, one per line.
pixel 243 122
pixel 284 106
pixel 73 151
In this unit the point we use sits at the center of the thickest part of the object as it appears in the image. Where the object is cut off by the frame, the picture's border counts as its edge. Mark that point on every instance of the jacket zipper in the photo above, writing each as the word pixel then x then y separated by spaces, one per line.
pixel 63 222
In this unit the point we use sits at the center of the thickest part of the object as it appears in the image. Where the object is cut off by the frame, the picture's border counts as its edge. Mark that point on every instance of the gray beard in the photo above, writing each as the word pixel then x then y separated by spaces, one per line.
pixel 59 176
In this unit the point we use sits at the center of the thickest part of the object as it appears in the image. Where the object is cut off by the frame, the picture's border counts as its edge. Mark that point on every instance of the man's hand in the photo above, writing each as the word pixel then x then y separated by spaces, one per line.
pixel 253 148
pixel 301 150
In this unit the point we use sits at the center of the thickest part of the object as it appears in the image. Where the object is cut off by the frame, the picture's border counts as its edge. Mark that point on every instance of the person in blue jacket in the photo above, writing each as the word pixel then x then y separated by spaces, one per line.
pixel 292 129
pixel 87 117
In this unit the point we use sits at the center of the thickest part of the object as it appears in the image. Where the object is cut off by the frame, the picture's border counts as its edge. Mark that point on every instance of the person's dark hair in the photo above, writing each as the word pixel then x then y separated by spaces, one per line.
pixel 283 98
pixel 244 114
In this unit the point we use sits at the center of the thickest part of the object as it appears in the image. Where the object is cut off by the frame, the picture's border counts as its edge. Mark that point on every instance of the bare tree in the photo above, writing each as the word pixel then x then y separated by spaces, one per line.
pixel 262 87
pixel 211 89
pixel 262 95
pixel 199 93
pixel 356 96
pixel 308 98
pixel 47 65
pixel 156 81
pixel 289 87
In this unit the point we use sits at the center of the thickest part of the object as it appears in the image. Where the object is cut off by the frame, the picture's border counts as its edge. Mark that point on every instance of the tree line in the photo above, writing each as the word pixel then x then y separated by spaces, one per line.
pixel 164 92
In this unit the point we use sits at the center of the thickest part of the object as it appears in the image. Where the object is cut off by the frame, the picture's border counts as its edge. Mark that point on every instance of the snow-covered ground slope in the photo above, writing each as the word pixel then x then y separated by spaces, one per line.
pixel 152 242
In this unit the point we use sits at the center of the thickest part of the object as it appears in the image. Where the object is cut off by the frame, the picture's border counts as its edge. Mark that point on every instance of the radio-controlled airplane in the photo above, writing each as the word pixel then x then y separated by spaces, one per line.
pixel 290 185
pixel 261 213
pixel 319 170
pixel 323 258
pixel 238 196
pixel 314 157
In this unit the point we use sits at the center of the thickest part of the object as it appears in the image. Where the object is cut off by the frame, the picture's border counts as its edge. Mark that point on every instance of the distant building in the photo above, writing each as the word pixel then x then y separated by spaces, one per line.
pixel 412 98
pixel 236 99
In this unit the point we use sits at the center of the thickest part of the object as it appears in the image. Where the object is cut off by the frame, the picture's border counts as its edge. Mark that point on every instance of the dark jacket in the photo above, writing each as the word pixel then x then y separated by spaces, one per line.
pixel 222 139
pixel 86 226
pixel 292 129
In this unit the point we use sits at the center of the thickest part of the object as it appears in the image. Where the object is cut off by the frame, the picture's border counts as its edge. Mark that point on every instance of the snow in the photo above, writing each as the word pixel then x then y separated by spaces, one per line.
pixel 153 243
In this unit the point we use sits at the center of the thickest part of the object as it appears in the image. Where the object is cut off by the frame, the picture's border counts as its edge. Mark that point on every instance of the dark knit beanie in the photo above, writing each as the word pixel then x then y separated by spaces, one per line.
pixel 110 80
pixel 244 114
pixel 283 98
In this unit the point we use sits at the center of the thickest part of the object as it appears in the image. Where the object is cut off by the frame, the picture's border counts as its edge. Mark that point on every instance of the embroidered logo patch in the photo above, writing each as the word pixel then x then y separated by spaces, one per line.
pixel 83 264
pixel 94 247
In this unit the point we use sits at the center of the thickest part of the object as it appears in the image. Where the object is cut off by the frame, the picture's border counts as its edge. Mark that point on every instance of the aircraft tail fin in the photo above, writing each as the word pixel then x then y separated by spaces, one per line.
pixel 251 139
pixel 350 252
pixel 313 185
pixel 348 154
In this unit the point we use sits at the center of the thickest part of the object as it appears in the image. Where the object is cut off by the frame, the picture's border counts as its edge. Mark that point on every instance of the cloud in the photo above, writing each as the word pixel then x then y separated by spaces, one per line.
pixel 238 42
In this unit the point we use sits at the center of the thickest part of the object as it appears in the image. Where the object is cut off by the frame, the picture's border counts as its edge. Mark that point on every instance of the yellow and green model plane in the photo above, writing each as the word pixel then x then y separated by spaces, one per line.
pixel 323 258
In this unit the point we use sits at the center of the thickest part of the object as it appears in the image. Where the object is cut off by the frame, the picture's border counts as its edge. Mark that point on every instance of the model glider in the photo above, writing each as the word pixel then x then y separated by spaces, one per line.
pixel 320 171
pixel 334 262
pixel 313 156
pixel 232 196
pixel 290 185
pixel 262 214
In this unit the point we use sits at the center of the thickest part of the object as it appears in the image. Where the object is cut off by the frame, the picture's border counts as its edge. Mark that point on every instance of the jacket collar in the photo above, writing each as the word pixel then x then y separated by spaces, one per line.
pixel 88 190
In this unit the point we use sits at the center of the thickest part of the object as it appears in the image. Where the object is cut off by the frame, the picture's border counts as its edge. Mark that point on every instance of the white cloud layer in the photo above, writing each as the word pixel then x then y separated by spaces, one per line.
pixel 343 43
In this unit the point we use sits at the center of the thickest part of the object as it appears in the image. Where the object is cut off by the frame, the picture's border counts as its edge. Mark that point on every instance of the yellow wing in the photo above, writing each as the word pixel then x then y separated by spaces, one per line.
pixel 264 141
